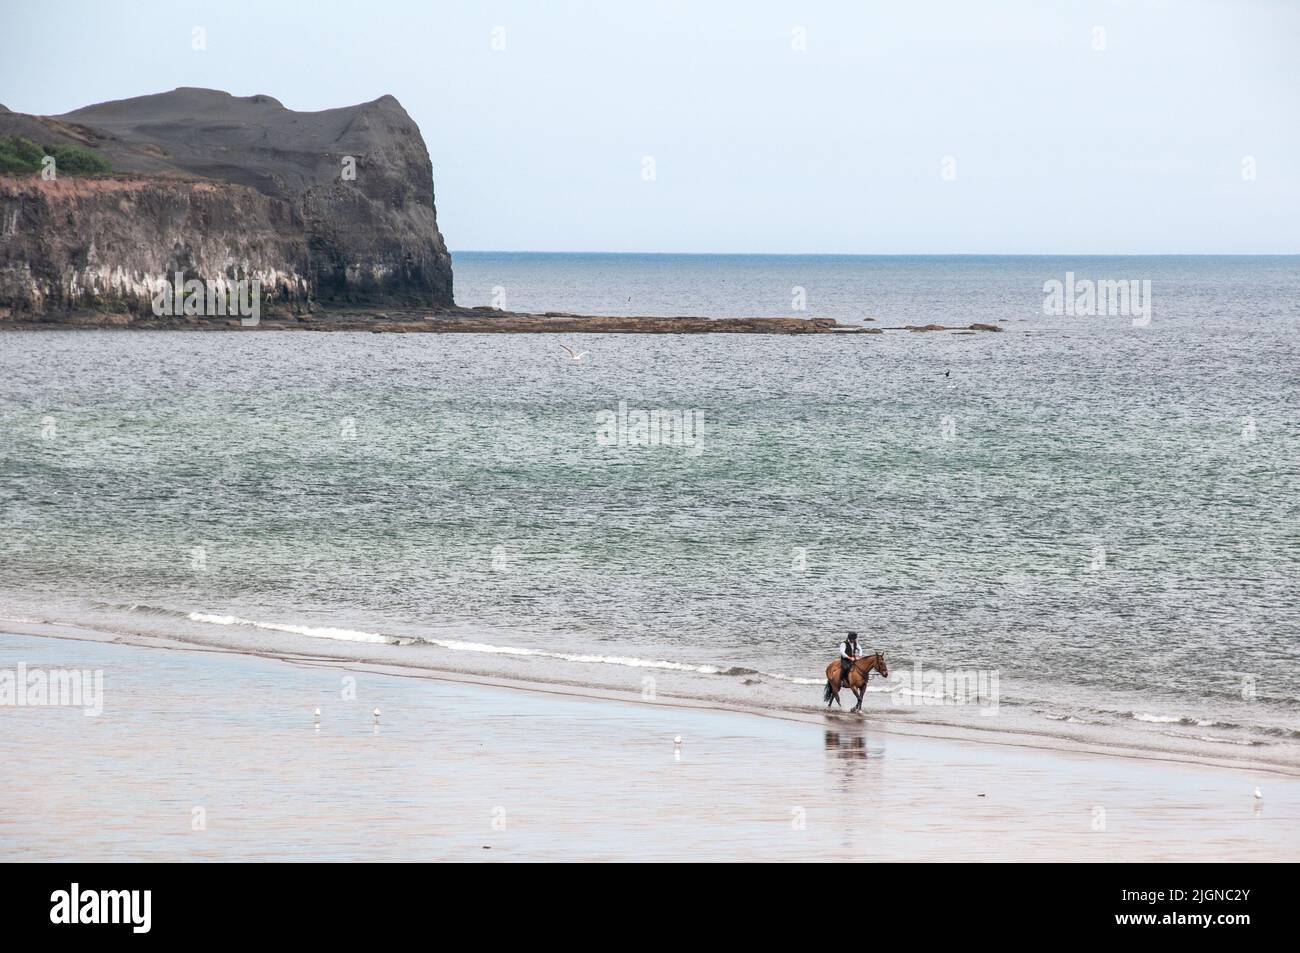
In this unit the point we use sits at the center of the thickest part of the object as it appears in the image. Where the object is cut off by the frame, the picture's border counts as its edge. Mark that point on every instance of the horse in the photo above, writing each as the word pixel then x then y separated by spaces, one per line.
pixel 857 679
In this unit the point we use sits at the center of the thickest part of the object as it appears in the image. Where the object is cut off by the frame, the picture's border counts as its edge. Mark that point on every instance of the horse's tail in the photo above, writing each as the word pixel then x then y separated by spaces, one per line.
pixel 829 693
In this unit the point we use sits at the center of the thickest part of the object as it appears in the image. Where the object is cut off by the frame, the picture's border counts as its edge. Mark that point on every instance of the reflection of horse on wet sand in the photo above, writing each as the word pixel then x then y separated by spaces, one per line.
pixel 851 746
pixel 858 674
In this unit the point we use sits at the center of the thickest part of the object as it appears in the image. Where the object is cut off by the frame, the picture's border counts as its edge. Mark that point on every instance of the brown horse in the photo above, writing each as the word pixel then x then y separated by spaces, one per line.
pixel 857 679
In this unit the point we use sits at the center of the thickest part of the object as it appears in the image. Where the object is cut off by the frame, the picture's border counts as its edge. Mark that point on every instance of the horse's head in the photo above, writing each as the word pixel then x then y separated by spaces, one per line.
pixel 880 666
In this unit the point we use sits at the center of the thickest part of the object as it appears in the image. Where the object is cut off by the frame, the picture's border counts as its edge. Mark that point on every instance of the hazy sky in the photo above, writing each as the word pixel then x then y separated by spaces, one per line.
pixel 760 145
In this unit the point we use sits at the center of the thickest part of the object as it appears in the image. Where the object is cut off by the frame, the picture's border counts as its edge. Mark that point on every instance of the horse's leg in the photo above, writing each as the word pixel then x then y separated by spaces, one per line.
pixel 859 694
pixel 832 695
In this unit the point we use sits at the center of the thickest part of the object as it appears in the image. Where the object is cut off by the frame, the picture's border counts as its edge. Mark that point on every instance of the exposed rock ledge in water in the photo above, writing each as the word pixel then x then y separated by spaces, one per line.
pixel 445 321
pixel 217 186
pixel 451 320
pixel 943 327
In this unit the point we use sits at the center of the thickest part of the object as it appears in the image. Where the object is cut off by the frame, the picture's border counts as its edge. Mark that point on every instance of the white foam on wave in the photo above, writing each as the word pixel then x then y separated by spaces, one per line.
pixel 455 645
pixel 1213 739
pixel 1156 719
pixel 342 635
pixel 792 679
pixel 627 660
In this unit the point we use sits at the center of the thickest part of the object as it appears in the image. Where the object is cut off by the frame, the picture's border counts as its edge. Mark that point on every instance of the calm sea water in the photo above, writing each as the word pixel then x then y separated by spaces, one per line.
pixel 1102 519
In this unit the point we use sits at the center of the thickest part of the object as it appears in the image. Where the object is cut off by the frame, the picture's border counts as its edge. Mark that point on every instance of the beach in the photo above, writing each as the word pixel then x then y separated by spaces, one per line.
pixel 202 754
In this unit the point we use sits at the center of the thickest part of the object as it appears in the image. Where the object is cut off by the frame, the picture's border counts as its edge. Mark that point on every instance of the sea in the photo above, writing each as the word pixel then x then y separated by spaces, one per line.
pixel 1084 527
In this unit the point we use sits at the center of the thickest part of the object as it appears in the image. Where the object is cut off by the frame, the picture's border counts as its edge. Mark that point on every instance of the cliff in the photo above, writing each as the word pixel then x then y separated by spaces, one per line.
pixel 332 208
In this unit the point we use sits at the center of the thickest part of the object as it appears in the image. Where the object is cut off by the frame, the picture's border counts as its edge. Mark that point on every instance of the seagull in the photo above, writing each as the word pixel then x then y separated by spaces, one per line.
pixel 1259 795
pixel 376 714
pixel 575 357
pixel 678 740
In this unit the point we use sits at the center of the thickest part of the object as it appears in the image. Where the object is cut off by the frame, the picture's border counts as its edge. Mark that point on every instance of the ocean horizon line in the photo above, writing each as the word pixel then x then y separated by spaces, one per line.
pixel 872 255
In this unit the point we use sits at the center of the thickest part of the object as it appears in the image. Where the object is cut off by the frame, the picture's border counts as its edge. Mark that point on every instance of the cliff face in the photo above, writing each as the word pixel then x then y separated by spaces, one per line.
pixel 109 242
pixel 330 208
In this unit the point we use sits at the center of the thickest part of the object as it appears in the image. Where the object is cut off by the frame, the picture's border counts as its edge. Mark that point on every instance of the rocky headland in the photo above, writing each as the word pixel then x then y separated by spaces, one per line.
pixel 323 209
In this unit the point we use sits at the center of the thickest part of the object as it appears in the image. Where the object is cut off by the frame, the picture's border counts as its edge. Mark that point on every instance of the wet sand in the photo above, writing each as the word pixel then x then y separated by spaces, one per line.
pixel 207 755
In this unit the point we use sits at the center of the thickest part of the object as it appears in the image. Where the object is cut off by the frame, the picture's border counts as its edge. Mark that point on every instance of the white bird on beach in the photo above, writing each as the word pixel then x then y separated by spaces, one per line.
pixel 572 356
pixel 376 714
pixel 678 741
pixel 1259 795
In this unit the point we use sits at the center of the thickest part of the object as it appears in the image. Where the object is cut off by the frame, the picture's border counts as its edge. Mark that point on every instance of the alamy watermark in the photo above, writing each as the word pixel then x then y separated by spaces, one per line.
pixel 1085 297
pixel 126 907
pixel 214 297
pixel 651 428
pixel 39 688
pixel 933 686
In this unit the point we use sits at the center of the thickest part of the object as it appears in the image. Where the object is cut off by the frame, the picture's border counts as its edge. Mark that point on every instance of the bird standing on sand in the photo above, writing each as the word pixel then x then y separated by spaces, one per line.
pixel 1259 795
pixel 575 357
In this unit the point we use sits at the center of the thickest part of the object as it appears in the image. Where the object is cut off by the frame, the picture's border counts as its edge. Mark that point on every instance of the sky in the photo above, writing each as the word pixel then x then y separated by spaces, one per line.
pixel 853 127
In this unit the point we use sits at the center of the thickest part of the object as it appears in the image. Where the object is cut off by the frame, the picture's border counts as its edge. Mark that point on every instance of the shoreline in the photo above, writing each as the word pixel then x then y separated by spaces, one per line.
pixel 815 715
pixel 204 754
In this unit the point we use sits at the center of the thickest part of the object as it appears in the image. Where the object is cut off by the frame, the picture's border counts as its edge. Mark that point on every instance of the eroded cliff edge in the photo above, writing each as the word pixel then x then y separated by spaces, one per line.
pixel 217 186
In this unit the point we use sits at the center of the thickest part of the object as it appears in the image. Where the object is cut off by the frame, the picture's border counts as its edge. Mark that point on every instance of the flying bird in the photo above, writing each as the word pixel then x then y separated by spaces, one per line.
pixel 572 356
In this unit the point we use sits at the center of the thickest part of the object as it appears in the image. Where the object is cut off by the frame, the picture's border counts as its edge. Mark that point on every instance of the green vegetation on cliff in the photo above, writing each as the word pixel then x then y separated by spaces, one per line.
pixel 22 155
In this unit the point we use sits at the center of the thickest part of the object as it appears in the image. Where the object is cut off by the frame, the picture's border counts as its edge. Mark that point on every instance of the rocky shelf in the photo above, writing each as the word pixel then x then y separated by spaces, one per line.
pixel 451 321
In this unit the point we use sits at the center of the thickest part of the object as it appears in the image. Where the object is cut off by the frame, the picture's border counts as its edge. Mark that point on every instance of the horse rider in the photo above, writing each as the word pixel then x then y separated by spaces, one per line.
pixel 848 655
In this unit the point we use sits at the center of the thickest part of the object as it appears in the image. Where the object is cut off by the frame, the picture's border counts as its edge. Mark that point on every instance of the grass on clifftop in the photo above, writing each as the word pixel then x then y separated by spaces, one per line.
pixel 22 155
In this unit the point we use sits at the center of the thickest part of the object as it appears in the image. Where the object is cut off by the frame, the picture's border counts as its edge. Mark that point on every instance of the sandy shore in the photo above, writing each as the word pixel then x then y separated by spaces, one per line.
pixel 201 755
